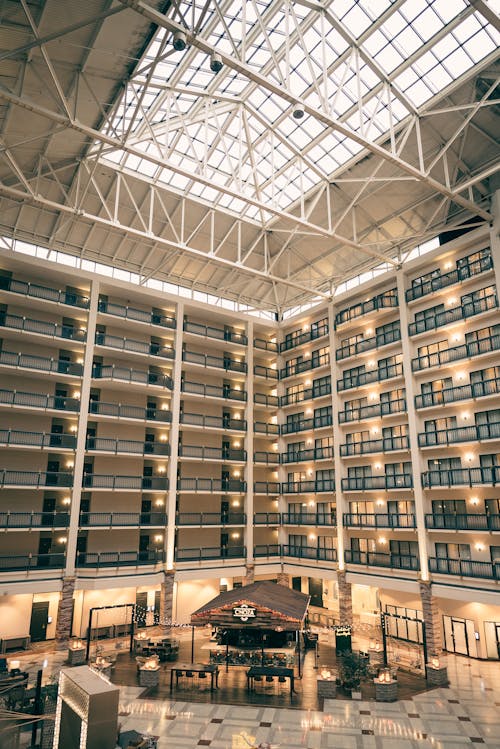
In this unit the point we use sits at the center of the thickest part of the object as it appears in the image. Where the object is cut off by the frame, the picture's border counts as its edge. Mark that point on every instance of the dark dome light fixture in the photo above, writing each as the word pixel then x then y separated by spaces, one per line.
pixel 216 63
pixel 298 112
pixel 180 41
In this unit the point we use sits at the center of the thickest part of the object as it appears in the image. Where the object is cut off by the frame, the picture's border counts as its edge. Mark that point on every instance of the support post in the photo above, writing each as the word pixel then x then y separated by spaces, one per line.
pixel 167 598
pixel 65 613
pixel 432 620
pixel 345 599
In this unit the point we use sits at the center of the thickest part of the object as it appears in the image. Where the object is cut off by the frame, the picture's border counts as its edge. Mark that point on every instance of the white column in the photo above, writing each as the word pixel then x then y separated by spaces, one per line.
pixel 174 440
pixel 495 237
pixel 340 503
pixel 81 438
pixel 249 445
pixel 416 463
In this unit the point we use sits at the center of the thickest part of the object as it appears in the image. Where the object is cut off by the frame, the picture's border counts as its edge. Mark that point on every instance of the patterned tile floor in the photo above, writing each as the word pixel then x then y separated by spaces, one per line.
pixel 467 713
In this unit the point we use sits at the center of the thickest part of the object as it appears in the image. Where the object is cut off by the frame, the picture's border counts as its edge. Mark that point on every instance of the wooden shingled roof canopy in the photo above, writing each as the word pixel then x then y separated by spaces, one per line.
pixel 263 605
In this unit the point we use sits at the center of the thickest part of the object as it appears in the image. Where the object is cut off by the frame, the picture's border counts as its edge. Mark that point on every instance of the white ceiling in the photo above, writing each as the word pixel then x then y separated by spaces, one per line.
pixel 119 149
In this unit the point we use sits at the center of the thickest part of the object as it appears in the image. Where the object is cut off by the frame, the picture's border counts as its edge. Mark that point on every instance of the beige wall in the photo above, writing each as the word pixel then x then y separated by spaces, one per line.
pixel 191 595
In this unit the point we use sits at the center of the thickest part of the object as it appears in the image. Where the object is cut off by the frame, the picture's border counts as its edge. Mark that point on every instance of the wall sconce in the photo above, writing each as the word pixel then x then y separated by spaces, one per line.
pixel 76 394
pixel 309 472
pixel 369 331
pixel 309 441
pixel 164 406
pixel 66 501
pixel 235 535
pixel 236 443
pixel 179 41
pixel 73 428
pixel 451 300
pixel 311 503
pixel 163 437
pixel 70 464
pixel 466 416
pixel 382 540
pixel 377 466
pixel 237 416
pixel 307 383
pixel 469 457
pixel 159 503
pixel 479 547
pixel 312 537
pixel 456 337
pixel 62 539
pixel 235 503
pixel 373 396
pixel 375 430
pixel 161 469
pixel 236 474
pixel 371 363
pixel 305 328
pixel 380 502
pixel 309 411
pixel 158 539
pixel 474 501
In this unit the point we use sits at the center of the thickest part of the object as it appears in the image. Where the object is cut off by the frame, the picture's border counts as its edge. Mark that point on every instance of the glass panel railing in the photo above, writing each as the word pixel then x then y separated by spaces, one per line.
pixel 215 422
pixel 474 432
pixel 267 518
pixel 138 347
pixel 267 550
pixel 210 518
pixel 115 446
pixel 314 453
pixel 267 458
pixel 219 334
pixel 205 360
pixel 268 372
pixel 378 559
pixel 266 400
pixel 304 365
pixel 211 485
pixel 316 391
pixel 315 485
pixel 309 552
pixel 392 481
pixel 213 391
pixel 463 521
pixel 386 444
pixel 381 301
pixel 13 562
pixel 309 518
pixel 211 453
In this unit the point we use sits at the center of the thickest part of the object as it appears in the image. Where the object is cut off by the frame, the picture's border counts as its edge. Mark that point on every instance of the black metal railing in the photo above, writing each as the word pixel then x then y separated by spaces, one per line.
pixel 264 345
pixel 267 372
pixel 124 374
pixel 267 458
pixel 38 401
pixel 459 393
pixel 316 391
pixel 309 552
pixel 211 485
pixel 215 422
pixel 119 558
pixel 13 562
pixel 304 365
pixel 465 521
pixel 468 309
pixel 385 444
pixel 206 360
pixel 267 550
pixel 375 375
pixel 219 334
pixel 314 453
pixel 398 405
pixel 266 487
pixel 300 337
pixel 315 485
pixel 443 280
pixel 14 437
pixel 455 353
pixel 213 391
pixel 34 519
pixel 301 425
pixel 122 519
pixel 474 432
pixel 488 476
pixel 367 344
pixel 71 298
pixel 40 327
pixel 267 518
pixel 137 347
pixel 309 518
pixel 124 411
pixel 465 568
pixel 381 301
pixel 379 520
pixel 104 481
pixel 264 427
pixel 212 453
pixel 52 479
pixel 138 315
pixel 379 559
pixel 41 363
pixel 137 447
pixel 263 399
pixel 210 518
pixel 207 553
pixel 392 481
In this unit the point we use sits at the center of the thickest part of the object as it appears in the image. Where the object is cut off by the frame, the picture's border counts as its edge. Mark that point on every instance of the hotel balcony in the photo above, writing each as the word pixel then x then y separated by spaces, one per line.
pixel 263 427
pixel 266 458
pixel 303 337
pixel 467 521
pixel 209 486
pixel 469 309
pixel 45 293
pixel 379 559
pixel 309 518
pixel 386 444
pixel 220 454
pixel 386 300
pixel 100 559
pixel 305 365
pixel 302 425
pixel 367 483
pixel 459 393
pixel 465 568
pixel 306 487
pixel 213 391
pixel 263 399
pixel 310 393
pixel 41 364
pixel 15 438
pixel 268 373
pixel 124 483
pixel 443 280
pixel 126 447
pixel 210 553
pixel 456 353
pixel 261 551
pixel 266 487
pixel 489 476
pixel 309 552
pixel 218 334
pixel 136 315
pixel 215 362
pixel 38 402
pixel 267 518
pixel 473 433
pixel 123 519
pixel 130 376
pixel 27 562
pixel 213 422
pixel 201 519
pixel 130 345
pixel 314 453
pixel 385 408
pixel 35 479
pixel 29 520
pixel 40 327
pixel 379 520
pixel 126 412
pixel 349 382
pixel 368 344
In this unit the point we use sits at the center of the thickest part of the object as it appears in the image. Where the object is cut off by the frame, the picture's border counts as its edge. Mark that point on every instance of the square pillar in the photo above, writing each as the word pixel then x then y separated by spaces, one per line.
pixel 345 599
pixel 283 578
pixel 250 574
pixel 432 619
pixel 65 613
pixel 167 599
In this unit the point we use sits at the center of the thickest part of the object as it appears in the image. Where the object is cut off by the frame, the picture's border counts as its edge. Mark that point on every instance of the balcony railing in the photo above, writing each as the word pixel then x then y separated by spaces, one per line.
pixel 210 518
pixel 97 481
pixel 378 559
pixel 460 434
pixel 11 563
pixel 267 458
pixel 41 363
pixel 119 558
pixel 455 353
pixel 212 453
pixel 469 309
pixel 211 485
pixel 268 372
pixel 34 519
pixel 465 568
pixel 381 301
pixel 379 520
pixel 124 374
pixel 263 399
pixel 266 487
pixel 316 391
pixel 54 330
pixel 386 444
pixel 12 437
pixel 298 339
pixel 213 391
pixel 309 518
pixel 215 422
pixel 206 360
pixel 448 279
pixel 309 552
pixel 213 552
pixel 264 427
pixel 314 453
pixel 36 479
pixel 488 476
pixel 459 393
pixel 124 411
pixel 38 401
pixel 219 334
pixel 375 375
pixel 137 447
pixel 267 550
pixel 260 343
pixel 266 518
pixel 384 408
pixel 294 368
pixel 367 344
pixel 136 347
pixel 122 519
pixel 71 298
pixel 301 425
pixel 303 487
pixel 467 521
pixel 138 315
pixel 360 483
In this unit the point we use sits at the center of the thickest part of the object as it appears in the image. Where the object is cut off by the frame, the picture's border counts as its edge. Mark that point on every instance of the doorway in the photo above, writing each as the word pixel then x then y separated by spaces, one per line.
pixel 39 621
pixel 141 607
pixel 460 636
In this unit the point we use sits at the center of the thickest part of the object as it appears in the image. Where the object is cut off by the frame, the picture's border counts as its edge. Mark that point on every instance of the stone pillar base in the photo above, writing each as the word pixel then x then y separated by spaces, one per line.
pixel 167 599
pixel 345 599
pixel 327 688
pixel 437 677
pixel 386 691
pixel 250 574
pixel 65 613
pixel 148 677
pixel 283 578
pixel 432 619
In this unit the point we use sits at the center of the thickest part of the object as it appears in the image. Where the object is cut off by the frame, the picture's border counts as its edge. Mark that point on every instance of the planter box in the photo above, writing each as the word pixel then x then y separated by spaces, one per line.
pixel 386 691
pixel 437 677
pixel 149 677
pixel 76 657
pixel 327 688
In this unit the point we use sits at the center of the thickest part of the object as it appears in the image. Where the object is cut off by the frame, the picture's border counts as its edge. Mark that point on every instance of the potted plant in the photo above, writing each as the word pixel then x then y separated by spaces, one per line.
pixel 352 668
